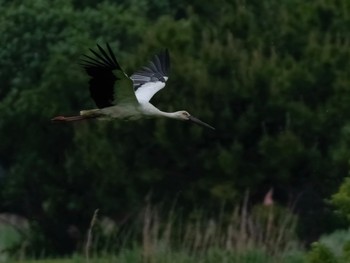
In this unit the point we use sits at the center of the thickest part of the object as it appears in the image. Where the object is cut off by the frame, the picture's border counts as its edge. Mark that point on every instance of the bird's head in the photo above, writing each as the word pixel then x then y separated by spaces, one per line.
pixel 182 115
pixel 185 116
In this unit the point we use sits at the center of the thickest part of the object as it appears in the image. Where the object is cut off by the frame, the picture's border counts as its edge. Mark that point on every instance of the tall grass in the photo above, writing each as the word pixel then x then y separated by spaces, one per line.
pixel 263 233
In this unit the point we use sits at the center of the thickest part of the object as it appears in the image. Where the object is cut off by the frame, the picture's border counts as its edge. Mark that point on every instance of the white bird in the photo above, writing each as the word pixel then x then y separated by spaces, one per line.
pixel 118 96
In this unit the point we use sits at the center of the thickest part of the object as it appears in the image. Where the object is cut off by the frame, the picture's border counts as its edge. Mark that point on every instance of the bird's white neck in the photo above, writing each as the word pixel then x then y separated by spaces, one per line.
pixel 148 108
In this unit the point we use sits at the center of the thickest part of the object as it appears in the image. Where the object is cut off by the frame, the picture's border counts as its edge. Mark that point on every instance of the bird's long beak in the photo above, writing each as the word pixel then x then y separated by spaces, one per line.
pixel 201 123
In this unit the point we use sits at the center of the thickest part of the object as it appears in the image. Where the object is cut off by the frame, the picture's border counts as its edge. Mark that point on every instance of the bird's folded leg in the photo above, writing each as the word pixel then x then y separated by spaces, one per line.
pixel 68 119
pixel 85 114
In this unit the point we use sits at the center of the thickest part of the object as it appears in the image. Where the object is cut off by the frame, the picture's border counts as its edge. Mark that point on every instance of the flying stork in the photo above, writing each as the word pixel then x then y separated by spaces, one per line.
pixel 118 96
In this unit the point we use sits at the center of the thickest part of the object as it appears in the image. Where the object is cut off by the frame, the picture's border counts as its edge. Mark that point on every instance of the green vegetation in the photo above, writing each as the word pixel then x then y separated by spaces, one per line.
pixel 264 235
pixel 134 256
pixel 271 76
pixel 331 248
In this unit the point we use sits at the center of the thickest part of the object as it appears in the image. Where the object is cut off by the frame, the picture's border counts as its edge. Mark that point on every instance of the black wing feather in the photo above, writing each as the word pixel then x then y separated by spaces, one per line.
pixel 101 57
pixel 91 61
pixel 102 81
pixel 112 56
pixel 106 56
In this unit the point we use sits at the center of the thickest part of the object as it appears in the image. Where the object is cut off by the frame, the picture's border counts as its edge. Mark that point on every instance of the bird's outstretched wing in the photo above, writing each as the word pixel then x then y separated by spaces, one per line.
pixel 151 78
pixel 109 85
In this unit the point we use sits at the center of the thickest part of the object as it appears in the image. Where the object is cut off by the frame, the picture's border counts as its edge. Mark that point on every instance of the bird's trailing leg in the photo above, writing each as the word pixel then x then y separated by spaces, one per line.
pixel 68 119
pixel 85 114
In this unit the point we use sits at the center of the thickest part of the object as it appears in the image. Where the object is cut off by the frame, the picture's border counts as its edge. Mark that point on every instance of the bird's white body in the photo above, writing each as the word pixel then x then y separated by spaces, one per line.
pixel 130 112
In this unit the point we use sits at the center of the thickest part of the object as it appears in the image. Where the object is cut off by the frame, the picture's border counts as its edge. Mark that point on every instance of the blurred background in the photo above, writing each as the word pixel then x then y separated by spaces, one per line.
pixel 271 76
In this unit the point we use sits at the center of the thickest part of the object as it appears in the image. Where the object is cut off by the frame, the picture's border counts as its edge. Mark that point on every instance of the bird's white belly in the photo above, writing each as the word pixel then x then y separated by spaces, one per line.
pixel 122 112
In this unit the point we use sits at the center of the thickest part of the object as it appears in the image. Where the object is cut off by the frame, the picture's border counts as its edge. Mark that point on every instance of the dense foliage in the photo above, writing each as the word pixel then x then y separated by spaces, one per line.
pixel 271 76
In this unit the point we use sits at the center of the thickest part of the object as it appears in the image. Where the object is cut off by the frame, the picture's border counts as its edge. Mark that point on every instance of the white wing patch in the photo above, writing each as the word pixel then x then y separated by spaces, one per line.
pixel 146 91
pixel 151 78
